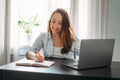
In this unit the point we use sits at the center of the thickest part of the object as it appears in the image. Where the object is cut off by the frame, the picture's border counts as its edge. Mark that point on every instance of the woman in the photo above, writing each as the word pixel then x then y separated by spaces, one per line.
pixel 59 41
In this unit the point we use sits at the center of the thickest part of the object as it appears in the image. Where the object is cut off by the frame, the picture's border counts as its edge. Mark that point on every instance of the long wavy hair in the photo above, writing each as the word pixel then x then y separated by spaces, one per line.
pixel 66 31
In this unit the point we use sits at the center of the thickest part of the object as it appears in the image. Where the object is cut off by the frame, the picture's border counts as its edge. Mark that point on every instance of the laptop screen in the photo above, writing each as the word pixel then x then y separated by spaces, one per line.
pixel 95 53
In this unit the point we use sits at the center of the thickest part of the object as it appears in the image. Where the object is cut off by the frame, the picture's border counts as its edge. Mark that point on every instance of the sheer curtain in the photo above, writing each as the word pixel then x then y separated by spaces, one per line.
pixel 89 18
pixel 6 49
pixel 6 30
pixel 2 25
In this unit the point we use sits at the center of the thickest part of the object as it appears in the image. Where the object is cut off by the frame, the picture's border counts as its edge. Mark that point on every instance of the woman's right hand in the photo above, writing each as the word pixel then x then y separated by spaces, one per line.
pixel 39 57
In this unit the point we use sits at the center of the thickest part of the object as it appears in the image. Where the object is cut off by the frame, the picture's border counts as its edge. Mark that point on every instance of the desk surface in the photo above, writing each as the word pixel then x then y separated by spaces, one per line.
pixel 57 72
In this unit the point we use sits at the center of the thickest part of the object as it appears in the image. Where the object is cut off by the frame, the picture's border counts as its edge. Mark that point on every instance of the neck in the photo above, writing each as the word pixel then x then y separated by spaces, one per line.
pixel 56 35
pixel 57 40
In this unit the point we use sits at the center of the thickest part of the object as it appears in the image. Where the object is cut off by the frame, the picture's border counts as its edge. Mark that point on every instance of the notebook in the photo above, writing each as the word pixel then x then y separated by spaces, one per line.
pixel 27 62
pixel 94 53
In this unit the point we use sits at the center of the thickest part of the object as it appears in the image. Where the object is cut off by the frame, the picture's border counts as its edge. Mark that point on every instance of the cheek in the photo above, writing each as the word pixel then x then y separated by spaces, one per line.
pixel 50 26
pixel 60 27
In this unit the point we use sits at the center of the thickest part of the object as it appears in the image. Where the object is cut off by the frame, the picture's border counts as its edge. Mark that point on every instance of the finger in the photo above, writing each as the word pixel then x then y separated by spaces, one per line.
pixel 39 58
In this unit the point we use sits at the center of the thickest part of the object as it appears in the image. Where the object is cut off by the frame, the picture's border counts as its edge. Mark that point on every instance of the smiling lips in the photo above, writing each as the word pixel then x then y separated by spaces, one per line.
pixel 55 29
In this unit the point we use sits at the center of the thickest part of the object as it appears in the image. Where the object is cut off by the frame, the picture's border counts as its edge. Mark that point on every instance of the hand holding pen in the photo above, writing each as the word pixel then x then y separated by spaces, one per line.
pixel 39 57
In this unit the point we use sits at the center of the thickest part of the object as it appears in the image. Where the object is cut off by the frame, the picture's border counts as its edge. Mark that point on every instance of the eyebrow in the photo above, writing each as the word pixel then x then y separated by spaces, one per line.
pixel 58 21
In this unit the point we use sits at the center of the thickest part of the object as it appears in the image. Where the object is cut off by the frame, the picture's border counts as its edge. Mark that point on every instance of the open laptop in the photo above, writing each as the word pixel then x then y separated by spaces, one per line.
pixel 94 53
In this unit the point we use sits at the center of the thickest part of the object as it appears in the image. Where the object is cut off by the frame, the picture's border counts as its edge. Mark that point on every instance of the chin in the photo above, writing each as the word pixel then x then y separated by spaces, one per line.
pixel 56 31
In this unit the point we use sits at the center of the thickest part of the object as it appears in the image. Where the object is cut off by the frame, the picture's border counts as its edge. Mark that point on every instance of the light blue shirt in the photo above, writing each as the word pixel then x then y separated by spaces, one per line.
pixel 45 42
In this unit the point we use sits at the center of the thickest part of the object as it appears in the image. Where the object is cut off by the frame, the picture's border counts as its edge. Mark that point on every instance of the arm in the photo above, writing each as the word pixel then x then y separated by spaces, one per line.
pixel 31 52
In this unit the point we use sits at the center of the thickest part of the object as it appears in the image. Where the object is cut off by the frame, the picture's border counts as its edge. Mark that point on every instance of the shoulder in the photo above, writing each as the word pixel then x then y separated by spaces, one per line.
pixel 44 35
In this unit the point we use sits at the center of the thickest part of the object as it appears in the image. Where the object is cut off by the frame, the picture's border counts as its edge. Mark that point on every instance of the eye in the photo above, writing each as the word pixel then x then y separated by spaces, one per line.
pixel 53 21
pixel 60 23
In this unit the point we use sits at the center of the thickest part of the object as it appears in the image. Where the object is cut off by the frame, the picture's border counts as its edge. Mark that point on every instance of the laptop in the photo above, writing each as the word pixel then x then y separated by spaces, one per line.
pixel 94 53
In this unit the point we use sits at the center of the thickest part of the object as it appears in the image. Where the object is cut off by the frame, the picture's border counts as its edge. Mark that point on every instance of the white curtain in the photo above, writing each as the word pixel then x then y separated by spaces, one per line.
pixel 89 18
pixel 7 48
pixel 2 25
pixel 5 30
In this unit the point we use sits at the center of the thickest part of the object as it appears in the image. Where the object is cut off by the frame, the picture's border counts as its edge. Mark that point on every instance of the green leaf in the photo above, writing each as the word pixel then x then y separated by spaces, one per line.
pixel 27 24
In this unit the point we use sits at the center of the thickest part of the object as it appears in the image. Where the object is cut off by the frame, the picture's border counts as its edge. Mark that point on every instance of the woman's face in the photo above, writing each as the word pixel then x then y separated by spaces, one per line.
pixel 56 23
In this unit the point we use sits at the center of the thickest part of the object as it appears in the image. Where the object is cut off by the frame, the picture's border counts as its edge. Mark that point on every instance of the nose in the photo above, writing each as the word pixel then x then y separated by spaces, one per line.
pixel 55 25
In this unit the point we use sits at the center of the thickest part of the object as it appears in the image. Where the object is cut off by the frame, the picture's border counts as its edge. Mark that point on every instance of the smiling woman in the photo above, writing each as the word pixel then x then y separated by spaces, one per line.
pixel 34 7
pixel 88 17
pixel 59 41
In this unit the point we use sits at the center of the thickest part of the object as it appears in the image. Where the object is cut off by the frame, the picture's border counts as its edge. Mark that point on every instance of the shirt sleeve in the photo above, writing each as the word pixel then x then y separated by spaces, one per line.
pixel 37 44
pixel 77 46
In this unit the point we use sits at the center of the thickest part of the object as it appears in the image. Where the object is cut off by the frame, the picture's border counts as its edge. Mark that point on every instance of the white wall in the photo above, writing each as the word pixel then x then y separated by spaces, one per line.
pixel 114 26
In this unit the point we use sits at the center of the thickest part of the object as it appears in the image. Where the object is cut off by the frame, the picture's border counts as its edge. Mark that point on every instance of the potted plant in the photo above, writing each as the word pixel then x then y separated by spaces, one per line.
pixel 28 24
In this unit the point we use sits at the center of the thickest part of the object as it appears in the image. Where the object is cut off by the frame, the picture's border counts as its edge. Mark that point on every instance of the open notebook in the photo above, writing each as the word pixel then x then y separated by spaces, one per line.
pixel 27 62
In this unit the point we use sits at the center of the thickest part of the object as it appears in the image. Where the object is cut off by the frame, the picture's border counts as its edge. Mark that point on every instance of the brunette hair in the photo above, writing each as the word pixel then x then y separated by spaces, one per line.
pixel 66 31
